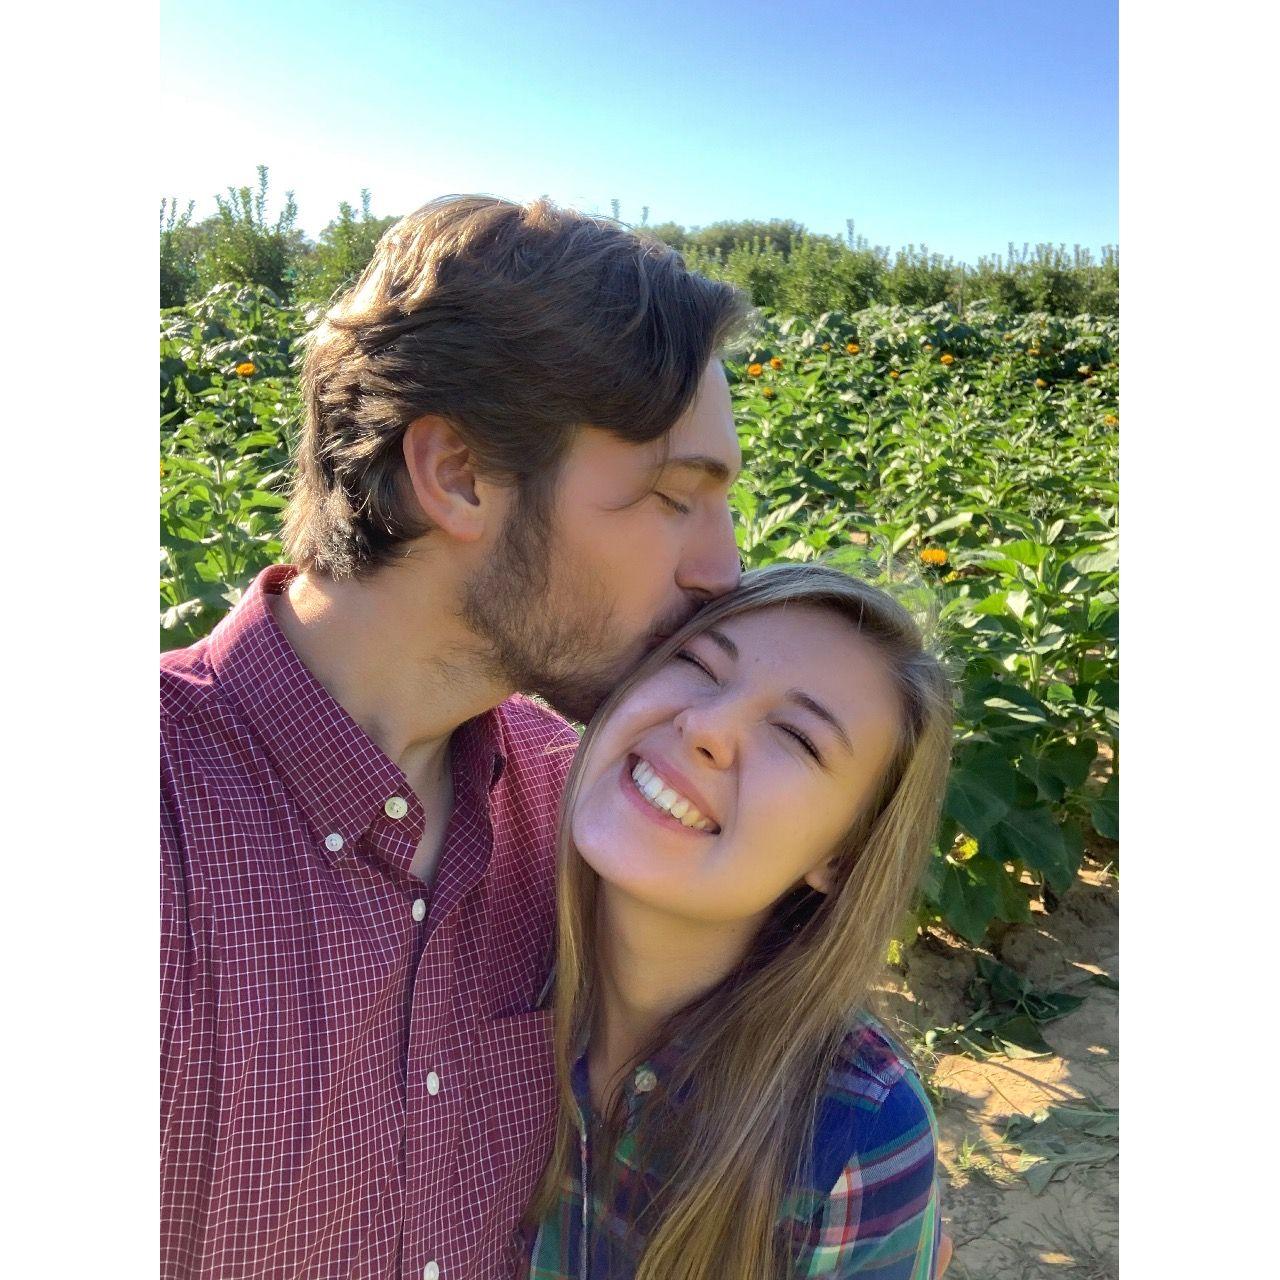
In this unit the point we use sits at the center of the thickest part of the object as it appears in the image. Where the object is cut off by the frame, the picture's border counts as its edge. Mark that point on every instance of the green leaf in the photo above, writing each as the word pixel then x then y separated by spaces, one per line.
pixel 951 522
pixel 1039 1174
pixel 261 500
pixel 1019 1037
pixel 1024 552
pixel 910 532
pixel 1017 711
pixel 995 604
pixel 968 897
pixel 1015 701
pixel 974 803
pixel 1105 558
pixel 1104 812
pixel 1069 761
pixel 1019 602
pixel 1032 836
pixel 1012 904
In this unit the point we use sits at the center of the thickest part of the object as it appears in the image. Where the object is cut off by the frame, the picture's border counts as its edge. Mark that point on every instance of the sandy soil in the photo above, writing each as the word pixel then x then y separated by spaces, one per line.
pixel 1002 1230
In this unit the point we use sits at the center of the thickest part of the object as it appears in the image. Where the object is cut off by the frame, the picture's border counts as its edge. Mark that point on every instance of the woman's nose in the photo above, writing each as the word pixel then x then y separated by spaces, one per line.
pixel 707 731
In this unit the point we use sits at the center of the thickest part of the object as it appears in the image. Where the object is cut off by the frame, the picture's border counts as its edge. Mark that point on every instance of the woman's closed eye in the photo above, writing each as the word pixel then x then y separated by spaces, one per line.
pixel 685 656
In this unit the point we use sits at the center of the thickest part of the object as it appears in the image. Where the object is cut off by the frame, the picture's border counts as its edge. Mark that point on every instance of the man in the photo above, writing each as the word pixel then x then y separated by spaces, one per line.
pixel 511 479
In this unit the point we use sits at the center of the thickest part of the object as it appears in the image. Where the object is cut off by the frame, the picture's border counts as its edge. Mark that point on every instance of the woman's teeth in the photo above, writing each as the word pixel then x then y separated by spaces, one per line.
pixel 668 799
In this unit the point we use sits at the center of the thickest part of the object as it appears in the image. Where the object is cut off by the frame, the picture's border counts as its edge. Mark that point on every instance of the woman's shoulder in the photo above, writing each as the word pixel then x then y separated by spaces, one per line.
pixel 874 1117
pixel 870 1061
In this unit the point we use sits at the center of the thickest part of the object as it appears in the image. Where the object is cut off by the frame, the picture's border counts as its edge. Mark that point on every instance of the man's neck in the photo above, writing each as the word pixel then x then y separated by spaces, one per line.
pixel 392 652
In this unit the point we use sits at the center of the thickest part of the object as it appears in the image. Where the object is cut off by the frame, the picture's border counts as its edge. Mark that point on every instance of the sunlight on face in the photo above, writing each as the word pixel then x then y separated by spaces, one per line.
pixel 774 730
pixel 632 565
pixel 630 550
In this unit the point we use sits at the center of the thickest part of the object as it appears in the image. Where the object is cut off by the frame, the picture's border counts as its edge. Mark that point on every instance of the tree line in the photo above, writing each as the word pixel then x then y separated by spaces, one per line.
pixel 785 267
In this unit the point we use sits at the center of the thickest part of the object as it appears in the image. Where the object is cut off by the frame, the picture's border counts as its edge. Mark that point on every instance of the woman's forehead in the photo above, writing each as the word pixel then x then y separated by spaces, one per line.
pixel 809 646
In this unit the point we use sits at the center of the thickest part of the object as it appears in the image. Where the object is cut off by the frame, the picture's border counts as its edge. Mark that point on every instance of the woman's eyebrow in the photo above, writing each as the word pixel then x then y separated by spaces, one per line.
pixel 803 699
pixel 723 641
pixel 798 696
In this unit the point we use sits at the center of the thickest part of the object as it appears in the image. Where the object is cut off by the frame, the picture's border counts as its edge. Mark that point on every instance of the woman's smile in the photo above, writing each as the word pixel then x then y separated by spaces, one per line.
pixel 636 789
pixel 713 736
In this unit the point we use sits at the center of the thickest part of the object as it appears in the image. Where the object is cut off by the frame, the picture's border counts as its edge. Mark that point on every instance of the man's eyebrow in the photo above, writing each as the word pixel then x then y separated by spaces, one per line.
pixel 704 463
pixel 798 696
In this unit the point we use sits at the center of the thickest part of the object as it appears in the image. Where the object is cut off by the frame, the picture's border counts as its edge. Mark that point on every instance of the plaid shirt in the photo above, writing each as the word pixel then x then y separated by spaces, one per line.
pixel 355 1078
pixel 871 1209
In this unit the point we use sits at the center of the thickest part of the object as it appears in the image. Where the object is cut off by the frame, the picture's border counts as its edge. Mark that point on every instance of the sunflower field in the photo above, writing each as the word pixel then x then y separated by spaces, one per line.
pixel 970 461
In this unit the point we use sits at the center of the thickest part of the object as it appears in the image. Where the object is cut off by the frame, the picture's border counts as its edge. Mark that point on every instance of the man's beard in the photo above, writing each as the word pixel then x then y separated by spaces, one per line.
pixel 561 644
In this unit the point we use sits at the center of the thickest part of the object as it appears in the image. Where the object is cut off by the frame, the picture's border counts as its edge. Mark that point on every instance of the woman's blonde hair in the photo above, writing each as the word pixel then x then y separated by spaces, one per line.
pixel 759 1046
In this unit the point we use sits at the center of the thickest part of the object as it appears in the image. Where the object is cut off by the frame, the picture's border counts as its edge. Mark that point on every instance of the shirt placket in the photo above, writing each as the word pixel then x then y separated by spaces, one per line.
pixel 641 1081
pixel 392 838
pixel 433 1084
pixel 427 1109
pixel 584 1247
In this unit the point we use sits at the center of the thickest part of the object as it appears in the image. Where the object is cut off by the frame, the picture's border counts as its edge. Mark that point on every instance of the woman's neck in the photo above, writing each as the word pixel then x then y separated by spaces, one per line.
pixel 649 966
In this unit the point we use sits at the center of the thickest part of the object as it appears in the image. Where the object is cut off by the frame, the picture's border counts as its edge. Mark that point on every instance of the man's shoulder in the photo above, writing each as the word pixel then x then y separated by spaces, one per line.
pixel 535 736
pixel 186 681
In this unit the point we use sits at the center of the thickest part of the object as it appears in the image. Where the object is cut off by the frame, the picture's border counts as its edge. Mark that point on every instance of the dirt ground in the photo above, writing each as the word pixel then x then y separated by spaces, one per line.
pixel 1003 1229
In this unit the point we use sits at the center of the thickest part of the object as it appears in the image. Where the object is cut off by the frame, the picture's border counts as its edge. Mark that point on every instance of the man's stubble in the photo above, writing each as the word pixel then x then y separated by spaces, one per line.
pixel 548 624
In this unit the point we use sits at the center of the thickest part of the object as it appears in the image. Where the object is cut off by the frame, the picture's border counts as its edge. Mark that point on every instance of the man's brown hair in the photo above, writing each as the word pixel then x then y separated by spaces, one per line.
pixel 517 324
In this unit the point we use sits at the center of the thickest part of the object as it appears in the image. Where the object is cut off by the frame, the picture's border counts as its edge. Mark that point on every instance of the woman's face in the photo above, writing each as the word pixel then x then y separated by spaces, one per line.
pixel 762 783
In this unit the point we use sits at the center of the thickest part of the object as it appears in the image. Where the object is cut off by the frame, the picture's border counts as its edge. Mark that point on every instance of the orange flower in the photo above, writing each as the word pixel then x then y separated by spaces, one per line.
pixel 928 346
pixel 755 370
pixel 934 556
pixel 1111 420
pixel 894 374
pixel 776 362
pixel 247 369
pixel 852 348
pixel 1033 351
pixel 947 358
pixel 1041 383
pixel 768 393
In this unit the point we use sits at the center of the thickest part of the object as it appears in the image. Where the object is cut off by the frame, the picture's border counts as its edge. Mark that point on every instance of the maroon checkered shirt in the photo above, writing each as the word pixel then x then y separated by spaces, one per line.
pixel 354 1082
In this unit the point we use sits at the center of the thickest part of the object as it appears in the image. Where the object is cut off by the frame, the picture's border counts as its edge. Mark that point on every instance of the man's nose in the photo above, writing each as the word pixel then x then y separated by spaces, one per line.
pixel 713 565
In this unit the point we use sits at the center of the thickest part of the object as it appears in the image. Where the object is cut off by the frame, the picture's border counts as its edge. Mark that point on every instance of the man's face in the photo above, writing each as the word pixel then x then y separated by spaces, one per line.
pixel 570 604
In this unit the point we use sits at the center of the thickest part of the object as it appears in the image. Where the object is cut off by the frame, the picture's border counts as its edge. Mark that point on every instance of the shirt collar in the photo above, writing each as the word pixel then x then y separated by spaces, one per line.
pixel 655 1070
pixel 343 782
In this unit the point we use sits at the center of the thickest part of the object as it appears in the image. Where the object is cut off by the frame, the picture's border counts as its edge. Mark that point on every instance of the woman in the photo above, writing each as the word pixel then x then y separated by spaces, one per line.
pixel 743 828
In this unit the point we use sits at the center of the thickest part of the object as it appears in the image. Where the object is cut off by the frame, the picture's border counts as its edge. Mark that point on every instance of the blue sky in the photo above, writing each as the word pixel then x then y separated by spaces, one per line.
pixel 958 126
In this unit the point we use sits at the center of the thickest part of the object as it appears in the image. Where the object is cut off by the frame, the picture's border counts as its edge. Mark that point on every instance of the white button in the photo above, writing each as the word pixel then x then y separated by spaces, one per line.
pixel 431 1271
pixel 396 807
pixel 419 910
pixel 433 1083
pixel 645 1080
pixel 333 842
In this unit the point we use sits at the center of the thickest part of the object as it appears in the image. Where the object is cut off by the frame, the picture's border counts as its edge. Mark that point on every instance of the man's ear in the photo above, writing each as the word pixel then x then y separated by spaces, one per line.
pixel 441 470
pixel 822 877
